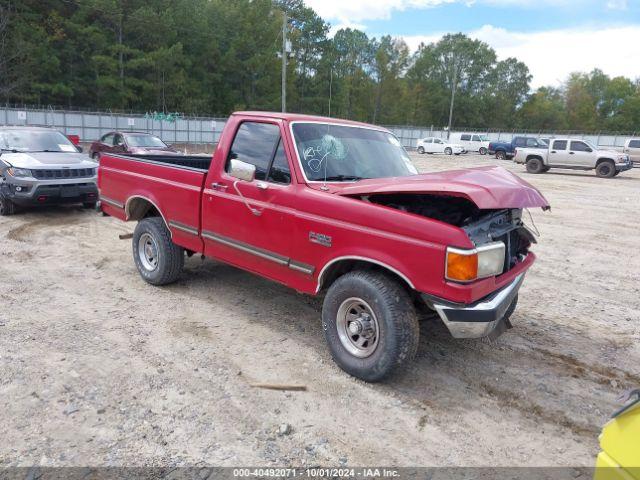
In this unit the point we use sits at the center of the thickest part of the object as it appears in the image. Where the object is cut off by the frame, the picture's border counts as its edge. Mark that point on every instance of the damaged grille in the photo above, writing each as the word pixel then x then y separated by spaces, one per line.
pixel 64 173
pixel 503 226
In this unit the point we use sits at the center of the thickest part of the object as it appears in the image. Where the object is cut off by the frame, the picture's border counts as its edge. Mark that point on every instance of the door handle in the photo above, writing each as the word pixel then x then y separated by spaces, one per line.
pixel 262 185
pixel 571 153
pixel 553 151
pixel 218 186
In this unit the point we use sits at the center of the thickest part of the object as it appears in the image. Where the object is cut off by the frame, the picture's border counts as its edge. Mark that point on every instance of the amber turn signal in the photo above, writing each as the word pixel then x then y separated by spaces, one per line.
pixel 462 266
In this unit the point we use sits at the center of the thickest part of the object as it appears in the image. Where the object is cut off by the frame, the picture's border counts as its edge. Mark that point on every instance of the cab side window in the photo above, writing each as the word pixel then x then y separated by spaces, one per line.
pixel 260 144
pixel 118 140
pixel 579 147
pixel 634 144
pixel 559 144
pixel 475 138
pixel 107 139
pixel 465 137
pixel 520 142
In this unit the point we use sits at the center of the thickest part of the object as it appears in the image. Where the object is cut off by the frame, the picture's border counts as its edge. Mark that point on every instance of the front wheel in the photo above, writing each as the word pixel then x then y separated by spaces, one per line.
pixel 421 150
pixel 158 259
pixel 370 324
pixel 7 207
pixel 448 151
pixel 483 151
pixel 606 169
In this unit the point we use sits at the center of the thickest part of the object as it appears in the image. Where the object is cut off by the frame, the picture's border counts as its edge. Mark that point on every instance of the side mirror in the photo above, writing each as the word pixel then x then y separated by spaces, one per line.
pixel 79 148
pixel 589 150
pixel 242 170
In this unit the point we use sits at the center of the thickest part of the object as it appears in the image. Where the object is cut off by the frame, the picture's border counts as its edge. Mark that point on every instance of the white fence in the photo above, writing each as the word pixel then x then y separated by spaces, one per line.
pixel 174 128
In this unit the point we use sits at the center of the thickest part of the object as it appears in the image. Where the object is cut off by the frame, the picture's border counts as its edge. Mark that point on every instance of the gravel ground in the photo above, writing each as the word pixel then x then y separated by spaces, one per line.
pixel 98 368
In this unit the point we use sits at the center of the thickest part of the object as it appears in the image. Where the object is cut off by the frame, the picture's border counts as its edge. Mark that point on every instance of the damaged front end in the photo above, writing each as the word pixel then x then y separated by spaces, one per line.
pixel 501 241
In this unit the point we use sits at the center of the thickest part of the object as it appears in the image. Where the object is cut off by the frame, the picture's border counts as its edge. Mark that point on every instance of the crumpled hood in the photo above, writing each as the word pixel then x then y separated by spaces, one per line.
pixel 487 187
pixel 35 160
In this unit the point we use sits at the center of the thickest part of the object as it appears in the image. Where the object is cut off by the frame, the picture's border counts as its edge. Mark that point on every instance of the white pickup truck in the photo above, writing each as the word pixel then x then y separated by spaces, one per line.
pixel 573 154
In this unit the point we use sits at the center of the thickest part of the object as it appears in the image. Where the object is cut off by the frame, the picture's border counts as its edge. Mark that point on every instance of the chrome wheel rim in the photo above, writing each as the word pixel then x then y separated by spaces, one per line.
pixel 148 252
pixel 357 327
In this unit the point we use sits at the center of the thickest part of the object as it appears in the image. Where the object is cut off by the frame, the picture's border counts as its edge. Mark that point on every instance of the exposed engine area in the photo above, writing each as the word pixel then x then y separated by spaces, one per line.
pixel 482 226
pixel 456 211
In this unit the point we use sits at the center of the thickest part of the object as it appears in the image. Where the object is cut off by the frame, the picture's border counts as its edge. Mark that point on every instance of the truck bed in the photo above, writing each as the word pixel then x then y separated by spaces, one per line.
pixel 198 162
pixel 171 183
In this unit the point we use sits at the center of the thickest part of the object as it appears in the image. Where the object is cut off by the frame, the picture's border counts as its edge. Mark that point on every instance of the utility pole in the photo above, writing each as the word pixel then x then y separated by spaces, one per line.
pixel 284 62
pixel 453 94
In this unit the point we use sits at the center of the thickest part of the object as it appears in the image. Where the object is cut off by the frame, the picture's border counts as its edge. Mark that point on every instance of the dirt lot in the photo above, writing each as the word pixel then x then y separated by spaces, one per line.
pixel 99 368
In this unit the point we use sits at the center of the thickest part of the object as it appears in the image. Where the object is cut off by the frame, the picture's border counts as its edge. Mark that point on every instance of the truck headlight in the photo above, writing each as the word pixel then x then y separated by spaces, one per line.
pixel 19 172
pixel 464 265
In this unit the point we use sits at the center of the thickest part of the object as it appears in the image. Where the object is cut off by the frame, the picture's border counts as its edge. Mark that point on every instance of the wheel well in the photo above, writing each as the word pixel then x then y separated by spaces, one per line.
pixel 138 208
pixel 602 160
pixel 339 268
pixel 531 157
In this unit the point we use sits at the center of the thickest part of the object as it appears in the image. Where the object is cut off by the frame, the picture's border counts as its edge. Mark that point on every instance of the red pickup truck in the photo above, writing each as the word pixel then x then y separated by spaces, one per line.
pixel 335 208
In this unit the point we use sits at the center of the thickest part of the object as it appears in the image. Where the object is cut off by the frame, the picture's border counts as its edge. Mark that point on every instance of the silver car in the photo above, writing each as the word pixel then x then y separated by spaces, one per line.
pixel 40 165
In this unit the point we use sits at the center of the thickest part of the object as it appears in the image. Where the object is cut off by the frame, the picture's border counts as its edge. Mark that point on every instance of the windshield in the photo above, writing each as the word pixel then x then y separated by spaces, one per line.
pixel 340 153
pixel 145 141
pixel 35 141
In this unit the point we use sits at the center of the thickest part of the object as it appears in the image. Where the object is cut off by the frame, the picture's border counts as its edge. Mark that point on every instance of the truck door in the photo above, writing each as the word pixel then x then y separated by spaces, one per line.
pixel 558 153
pixel 580 154
pixel 249 224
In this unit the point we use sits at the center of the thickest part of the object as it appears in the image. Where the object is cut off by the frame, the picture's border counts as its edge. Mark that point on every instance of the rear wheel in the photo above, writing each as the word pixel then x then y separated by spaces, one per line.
pixel 370 324
pixel 500 155
pixel 421 150
pixel 606 169
pixel 7 207
pixel 482 151
pixel 448 151
pixel 158 259
pixel 535 165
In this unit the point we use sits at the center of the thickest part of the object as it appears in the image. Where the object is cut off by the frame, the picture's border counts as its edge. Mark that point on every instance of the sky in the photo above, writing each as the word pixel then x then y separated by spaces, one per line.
pixel 553 37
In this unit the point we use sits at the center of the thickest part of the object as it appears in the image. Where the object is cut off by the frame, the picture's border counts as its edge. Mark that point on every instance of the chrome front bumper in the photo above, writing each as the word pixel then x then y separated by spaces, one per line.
pixel 479 319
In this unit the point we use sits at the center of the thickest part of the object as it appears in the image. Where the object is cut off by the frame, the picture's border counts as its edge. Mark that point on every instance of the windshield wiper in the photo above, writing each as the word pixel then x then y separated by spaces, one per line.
pixel 343 178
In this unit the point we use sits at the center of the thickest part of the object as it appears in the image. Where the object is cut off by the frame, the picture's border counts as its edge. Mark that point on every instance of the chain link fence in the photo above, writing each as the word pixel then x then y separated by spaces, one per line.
pixel 196 130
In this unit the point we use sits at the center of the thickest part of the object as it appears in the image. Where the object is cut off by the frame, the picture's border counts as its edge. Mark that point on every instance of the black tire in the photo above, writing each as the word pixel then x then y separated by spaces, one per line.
pixel 482 151
pixel 421 150
pixel 500 155
pixel 169 257
pixel 89 205
pixel 397 330
pixel 535 165
pixel 606 169
pixel 7 207
pixel 448 151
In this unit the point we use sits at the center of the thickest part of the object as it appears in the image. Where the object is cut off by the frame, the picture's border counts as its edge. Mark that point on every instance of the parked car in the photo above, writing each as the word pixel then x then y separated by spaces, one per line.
pixel 130 142
pixel 505 150
pixel 41 166
pixel 573 154
pixel 632 148
pixel 336 208
pixel 438 145
pixel 471 142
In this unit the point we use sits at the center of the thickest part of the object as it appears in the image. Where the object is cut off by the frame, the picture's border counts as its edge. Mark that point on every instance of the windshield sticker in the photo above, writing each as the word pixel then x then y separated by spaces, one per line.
pixel 329 145
pixel 67 148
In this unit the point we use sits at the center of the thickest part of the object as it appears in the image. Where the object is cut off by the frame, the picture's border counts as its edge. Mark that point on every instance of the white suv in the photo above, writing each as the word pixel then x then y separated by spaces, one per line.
pixel 438 145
